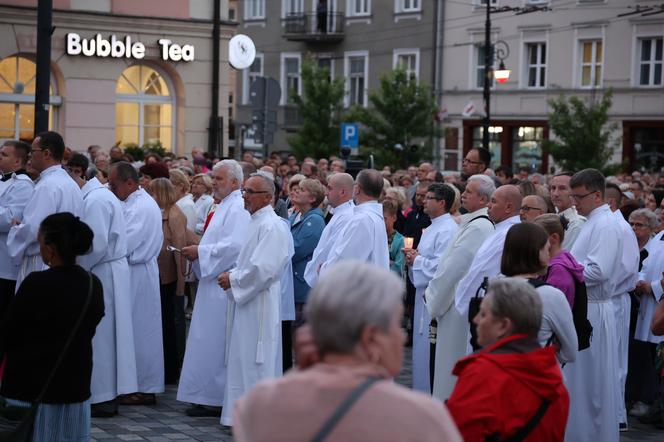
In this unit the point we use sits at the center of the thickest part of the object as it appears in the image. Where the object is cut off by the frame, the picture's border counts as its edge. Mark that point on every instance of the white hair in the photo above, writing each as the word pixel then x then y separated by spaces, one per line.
pixel 234 169
pixel 487 185
pixel 648 215
pixel 347 298
pixel 268 178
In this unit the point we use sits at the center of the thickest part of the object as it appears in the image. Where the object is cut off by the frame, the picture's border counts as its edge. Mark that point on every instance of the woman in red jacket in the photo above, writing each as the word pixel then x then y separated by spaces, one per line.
pixel 512 383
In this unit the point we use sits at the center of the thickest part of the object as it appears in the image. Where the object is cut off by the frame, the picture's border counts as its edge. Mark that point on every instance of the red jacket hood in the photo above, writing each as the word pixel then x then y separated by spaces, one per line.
pixel 537 370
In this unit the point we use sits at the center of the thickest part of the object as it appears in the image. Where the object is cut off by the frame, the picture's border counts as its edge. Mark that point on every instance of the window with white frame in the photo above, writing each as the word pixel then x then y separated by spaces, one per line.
pixel 536 65
pixel 356 69
pixel 650 61
pixel 483 2
pixel 326 63
pixel 479 66
pixel 290 77
pixel 250 75
pixel 291 7
pixel 408 5
pixel 408 59
pixel 254 9
pixel 358 8
pixel 591 63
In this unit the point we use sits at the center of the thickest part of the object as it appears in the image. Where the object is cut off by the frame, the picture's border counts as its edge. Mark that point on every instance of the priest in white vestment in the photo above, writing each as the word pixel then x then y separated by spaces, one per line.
pixel 144 240
pixel 364 237
pixel 203 376
pixel 16 189
pixel 113 352
pixel 592 377
pixel 650 289
pixel 54 192
pixel 504 212
pixel 453 328
pixel 422 263
pixel 626 280
pixel 560 193
pixel 340 198
pixel 254 297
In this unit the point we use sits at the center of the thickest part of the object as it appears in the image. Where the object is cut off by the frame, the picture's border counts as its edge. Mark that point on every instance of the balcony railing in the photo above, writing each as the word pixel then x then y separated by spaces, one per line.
pixel 313 26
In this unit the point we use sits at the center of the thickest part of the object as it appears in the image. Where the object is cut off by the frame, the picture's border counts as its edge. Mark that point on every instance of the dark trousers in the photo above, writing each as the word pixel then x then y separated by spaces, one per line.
pixel 171 371
pixel 642 381
pixel 180 330
pixel 287 344
pixel 7 289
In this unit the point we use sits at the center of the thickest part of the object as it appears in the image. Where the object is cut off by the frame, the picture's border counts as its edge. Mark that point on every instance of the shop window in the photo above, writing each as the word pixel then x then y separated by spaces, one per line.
pixel 495 134
pixel 17 88
pixel 649 148
pixel 144 108
pixel 527 147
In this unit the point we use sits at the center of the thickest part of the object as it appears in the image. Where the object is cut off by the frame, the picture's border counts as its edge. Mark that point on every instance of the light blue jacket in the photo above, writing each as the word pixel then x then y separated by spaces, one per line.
pixel 306 234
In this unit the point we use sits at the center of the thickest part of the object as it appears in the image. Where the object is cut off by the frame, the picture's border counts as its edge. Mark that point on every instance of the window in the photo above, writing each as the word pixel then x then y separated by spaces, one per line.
pixel 408 59
pixel 254 9
pixel 483 2
pixel 17 97
pixel 536 68
pixel 495 135
pixel 250 75
pixel 290 77
pixel 591 63
pixel 231 14
pixel 293 7
pixel 327 63
pixel 144 108
pixel 650 62
pixel 356 70
pixel 408 5
pixel 527 147
pixel 358 8
pixel 479 66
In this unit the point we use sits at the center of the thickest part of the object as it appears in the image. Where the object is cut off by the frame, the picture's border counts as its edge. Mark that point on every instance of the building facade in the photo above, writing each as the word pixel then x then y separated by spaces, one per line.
pixel 357 40
pixel 122 72
pixel 581 48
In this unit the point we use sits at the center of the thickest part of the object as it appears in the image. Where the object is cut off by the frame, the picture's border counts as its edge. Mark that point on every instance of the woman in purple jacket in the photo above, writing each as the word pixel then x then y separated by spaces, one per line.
pixel 564 271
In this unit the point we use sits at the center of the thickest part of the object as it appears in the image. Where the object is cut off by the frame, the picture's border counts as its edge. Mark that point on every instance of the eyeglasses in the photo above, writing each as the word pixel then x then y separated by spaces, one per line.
pixel 637 225
pixel 580 197
pixel 527 209
pixel 36 150
pixel 466 160
pixel 251 192
pixel 431 198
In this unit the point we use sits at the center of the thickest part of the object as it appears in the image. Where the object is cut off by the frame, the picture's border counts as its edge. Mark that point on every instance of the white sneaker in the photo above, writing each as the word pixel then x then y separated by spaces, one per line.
pixel 639 409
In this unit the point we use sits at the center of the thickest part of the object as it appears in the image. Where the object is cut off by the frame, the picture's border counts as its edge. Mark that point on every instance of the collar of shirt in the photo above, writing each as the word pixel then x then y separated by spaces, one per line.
pixel 262 211
pixel 598 211
pixel 343 207
pixel 91 185
pixel 507 223
pixel 440 219
pixel 468 217
pixel 370 206
pixel 8 176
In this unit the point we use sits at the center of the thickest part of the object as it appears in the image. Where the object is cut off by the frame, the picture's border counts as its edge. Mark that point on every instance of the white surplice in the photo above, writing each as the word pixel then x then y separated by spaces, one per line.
pixel 54 192
pixel 576 222
pixel 653 266
pixel 188 207
pixel 113 351
pixel 625 282
pixel 486 263
pixel 14 196
pixel 202 205
pixel 254 306
pixel 364 238
pixel 453 329
pixel 144 240
pixel 287 285
pixel 203 376
pixel 332 232
pixel 591 378
pixel 433 243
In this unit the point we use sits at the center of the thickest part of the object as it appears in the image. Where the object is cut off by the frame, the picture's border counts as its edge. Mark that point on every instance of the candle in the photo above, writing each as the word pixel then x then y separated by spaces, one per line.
pixel 408 242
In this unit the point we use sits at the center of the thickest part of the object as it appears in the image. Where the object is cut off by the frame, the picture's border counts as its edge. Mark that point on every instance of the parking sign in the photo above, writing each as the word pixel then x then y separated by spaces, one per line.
pixel 350 137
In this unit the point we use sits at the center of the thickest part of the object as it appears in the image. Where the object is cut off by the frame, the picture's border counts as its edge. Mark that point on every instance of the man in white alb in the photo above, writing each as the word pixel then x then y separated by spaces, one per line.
pixel 562 200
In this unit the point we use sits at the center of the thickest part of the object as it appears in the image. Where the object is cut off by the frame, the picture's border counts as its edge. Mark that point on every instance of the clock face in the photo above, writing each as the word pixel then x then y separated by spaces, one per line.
pixel 241 51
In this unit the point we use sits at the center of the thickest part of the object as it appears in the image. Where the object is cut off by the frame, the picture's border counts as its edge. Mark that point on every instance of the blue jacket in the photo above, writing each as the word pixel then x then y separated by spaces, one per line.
pixel 306 234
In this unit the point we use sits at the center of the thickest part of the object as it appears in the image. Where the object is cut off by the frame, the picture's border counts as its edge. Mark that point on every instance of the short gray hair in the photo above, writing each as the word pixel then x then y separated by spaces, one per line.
pixel 648 215
pixel 268 178
pixel 234 169
pixel 516 299
pixel 347 298
pixel 487 185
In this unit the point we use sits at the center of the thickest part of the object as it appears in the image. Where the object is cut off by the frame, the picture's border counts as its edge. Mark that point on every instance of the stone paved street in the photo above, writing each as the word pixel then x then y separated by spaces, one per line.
pixel 166 421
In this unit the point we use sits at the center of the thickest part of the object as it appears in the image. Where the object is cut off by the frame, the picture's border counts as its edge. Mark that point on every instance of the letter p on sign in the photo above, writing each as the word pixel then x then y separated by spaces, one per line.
pixel 350 135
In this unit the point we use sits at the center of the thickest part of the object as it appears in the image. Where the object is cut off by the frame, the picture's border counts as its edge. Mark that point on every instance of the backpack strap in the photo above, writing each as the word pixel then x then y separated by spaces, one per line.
pixel 531 424
pixel 343 408
pixel 480 217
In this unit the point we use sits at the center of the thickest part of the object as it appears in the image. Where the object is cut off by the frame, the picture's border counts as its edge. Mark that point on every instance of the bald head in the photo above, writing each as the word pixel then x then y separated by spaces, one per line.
pixel 339 189
pixel 505 203
pixel 342 180
pixel 532 206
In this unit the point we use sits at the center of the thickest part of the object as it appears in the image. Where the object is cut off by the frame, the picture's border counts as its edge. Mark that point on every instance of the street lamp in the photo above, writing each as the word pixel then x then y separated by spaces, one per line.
pixel 501 74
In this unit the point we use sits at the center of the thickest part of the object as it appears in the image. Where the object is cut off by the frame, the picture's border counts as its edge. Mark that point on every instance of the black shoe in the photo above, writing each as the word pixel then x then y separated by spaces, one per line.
pixel 622 426
pixel 203 411
pixel 104 409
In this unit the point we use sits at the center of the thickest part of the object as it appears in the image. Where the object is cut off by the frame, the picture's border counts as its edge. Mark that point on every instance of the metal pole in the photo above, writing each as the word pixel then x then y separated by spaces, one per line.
pixel 213 141
pixel 44 29
pixel 436 80
pixel 488 52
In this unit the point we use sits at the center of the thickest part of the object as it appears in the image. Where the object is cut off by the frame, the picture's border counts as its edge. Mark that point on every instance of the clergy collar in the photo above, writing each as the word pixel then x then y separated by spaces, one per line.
pixel 7 176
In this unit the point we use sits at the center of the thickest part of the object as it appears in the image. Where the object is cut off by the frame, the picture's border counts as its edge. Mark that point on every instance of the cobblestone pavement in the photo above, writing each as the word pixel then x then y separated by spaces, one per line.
pixel 167 421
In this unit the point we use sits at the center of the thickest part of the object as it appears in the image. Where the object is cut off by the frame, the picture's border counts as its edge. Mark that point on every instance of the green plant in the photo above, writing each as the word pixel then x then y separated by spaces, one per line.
pixel 135 151
pixel 583 134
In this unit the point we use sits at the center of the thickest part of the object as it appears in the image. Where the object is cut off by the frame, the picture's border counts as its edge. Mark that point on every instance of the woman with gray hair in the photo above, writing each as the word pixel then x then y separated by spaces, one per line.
pixel 512 388
pixel 354 314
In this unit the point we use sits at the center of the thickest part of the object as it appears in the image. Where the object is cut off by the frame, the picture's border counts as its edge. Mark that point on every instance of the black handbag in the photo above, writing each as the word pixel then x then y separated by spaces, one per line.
pixel 17 422
pixel 474 309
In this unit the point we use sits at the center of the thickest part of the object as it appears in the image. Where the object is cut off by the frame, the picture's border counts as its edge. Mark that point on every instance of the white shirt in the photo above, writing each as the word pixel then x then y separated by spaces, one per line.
pixel 576 222
pixel 202 204
pixel 14 196
pixel 652 269
pixel 628 276
pixel 343 213
pixel 188 207
pixel 433 243
pixel 485 264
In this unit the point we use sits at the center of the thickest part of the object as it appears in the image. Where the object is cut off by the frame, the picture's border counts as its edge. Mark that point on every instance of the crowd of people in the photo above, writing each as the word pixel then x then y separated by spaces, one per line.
pixel 532 302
